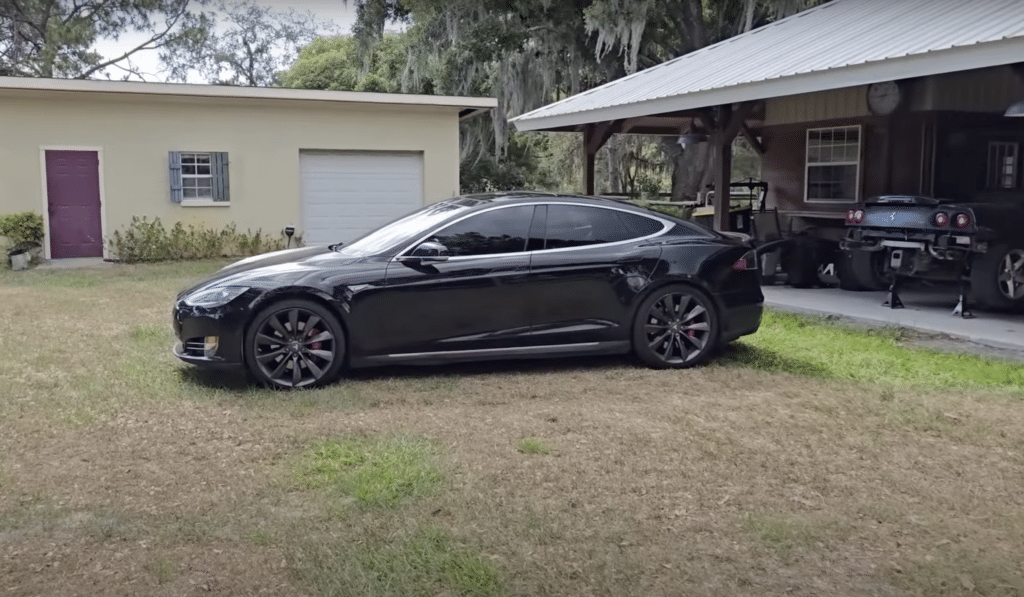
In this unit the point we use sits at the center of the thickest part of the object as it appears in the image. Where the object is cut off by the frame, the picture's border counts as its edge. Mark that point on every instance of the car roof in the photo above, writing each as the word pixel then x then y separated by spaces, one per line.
pixel 506 197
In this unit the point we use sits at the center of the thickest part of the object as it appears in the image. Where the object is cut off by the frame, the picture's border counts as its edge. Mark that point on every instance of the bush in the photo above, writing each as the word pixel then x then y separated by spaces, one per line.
pixel 146 240
pixel 682 212
pixel 24 230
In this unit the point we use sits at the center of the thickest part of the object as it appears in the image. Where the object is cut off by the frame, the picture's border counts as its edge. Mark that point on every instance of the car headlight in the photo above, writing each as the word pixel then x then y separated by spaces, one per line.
pixel 215 297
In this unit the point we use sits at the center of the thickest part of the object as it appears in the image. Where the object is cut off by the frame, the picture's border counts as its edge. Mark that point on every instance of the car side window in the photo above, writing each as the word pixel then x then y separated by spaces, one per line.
pixel 502 230
pixel 580 226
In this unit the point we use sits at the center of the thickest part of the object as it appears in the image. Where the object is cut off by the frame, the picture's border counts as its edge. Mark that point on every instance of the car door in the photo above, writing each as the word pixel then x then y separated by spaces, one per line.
pixel 585 274
pixel 476 300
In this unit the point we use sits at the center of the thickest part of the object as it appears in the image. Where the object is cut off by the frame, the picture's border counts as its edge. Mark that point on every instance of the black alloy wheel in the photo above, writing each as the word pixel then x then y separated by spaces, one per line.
pixel 295 344
pixel 997 278
pixel 675 327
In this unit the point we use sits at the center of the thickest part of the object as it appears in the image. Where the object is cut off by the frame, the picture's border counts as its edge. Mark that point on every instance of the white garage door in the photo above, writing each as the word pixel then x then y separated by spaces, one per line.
pixel 346 194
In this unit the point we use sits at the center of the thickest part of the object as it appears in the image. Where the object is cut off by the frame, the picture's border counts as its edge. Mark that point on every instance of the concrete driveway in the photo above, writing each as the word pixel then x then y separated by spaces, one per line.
pixel 927 309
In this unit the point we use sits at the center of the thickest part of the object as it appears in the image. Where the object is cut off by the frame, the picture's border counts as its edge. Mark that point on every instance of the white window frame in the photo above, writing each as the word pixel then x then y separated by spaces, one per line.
pixel 856 163
pixel 218 175
pixel 997 174
pixel 186 178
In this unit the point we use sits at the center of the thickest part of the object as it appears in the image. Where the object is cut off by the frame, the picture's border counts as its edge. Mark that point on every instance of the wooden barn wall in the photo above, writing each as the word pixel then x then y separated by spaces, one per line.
pixel 782 166
pixel 962 154
pixel 850 102
pixel 891 160
pixel 988 90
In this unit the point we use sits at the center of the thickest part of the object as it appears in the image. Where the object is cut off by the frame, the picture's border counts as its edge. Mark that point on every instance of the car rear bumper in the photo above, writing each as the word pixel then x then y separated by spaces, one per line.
pixel 741 321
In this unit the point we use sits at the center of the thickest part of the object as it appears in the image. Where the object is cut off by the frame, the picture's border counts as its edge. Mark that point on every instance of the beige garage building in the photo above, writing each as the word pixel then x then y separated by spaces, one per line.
pixel 90 155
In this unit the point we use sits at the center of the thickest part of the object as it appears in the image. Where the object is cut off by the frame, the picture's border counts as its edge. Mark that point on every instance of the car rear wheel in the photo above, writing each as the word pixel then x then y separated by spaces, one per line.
pixel 294 344
pixel 997 278
pixel 676 327
pixel 862 270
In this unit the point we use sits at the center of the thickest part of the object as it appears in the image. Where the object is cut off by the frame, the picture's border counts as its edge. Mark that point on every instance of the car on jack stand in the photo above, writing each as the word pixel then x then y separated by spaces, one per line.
pixel 979 245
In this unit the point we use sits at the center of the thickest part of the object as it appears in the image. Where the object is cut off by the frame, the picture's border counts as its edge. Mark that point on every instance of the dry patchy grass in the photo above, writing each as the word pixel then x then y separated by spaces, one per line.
pixel 124 472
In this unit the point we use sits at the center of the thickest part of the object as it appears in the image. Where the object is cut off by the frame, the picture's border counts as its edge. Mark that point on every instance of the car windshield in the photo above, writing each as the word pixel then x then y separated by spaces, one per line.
pixel 406 229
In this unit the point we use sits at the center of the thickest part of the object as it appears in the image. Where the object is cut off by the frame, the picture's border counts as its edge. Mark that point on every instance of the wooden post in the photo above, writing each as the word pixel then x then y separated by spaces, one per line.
pixel 594 138
pixel 588 178
pixel 723 169
pixel 730 123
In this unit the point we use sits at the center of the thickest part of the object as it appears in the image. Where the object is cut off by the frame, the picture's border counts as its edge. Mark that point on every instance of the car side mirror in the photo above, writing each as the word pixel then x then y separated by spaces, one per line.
pixel 430 252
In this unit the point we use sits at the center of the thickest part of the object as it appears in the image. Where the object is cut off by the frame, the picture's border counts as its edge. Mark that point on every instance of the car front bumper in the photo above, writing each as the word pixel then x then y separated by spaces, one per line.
pixel 192 325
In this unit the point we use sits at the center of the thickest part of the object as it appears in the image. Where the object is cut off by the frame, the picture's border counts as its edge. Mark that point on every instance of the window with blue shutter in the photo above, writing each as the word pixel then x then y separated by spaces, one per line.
pixel 199 177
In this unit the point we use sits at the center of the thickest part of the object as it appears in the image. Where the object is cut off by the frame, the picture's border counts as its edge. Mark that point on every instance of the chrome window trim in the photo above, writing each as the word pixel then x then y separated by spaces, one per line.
pixel 666 226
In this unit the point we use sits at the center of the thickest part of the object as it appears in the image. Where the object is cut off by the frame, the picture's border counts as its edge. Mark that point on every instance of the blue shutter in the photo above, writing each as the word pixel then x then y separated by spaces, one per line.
pixel 174 157
pixel 221 180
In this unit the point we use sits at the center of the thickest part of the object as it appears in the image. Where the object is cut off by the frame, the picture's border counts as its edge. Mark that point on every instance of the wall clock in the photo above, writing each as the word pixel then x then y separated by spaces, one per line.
pixel 884 98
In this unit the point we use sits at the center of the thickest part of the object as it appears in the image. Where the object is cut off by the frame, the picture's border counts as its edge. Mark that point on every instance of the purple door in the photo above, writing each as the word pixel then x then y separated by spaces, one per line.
pixel 73 194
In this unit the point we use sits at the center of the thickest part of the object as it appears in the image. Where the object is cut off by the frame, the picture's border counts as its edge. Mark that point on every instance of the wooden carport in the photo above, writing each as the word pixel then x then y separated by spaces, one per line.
pixel 720 123
pixel 725 89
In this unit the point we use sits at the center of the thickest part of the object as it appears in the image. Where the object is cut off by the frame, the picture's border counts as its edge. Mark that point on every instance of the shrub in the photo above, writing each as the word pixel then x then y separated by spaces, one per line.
pixel 682 211
pixel 148 240
pixel 24 230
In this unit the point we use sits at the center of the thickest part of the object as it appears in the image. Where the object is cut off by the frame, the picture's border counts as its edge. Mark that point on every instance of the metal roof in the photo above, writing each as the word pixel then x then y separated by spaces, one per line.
pixel 841 43
pixel 228 91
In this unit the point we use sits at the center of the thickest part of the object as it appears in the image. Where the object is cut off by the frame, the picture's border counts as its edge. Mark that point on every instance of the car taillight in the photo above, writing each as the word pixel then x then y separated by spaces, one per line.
pixel 942 219
pixel 962 221
pixel 746 262
pixel 855 216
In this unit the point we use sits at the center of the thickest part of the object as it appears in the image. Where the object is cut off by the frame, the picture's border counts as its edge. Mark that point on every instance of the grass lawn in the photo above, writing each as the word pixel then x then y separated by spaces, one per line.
pixel 809 459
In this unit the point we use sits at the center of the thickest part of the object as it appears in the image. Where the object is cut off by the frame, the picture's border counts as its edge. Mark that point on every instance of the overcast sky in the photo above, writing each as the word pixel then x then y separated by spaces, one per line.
pixel 327 10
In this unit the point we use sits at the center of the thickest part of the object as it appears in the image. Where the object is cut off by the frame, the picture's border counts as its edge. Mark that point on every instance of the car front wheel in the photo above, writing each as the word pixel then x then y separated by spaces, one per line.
pixel 676 327
pixel 295 344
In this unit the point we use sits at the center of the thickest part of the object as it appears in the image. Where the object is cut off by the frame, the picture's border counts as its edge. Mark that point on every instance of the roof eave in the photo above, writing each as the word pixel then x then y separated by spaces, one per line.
pixel 981 55
pixel 245 93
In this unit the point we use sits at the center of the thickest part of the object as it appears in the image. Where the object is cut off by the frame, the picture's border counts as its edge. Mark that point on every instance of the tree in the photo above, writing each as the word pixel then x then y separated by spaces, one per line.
pixel 250 45
pixel 523 53
pixel 56 38
pixel 335 63
pixel 649 32
pixel 528 53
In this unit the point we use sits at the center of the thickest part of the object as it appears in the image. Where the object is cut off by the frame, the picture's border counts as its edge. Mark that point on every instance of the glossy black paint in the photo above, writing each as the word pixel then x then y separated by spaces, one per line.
pixel 525 303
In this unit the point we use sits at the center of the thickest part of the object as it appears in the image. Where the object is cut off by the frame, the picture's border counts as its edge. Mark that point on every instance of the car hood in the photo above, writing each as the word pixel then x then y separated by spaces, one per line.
pixel 273 269
pixel 277 257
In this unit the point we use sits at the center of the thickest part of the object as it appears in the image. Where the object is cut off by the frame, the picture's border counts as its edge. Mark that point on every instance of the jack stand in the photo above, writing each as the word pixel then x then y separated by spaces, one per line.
pixel 893 299
pixel 962 309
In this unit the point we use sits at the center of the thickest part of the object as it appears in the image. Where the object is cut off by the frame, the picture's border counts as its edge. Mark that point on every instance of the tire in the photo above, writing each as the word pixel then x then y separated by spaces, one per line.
pixel 802 260
pixel 862 270
pixel 294 344
pixel 675 327
pixel 997 278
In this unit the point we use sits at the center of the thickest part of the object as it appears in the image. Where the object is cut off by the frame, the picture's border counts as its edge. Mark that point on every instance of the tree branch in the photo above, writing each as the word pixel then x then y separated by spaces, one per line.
pixel 143 46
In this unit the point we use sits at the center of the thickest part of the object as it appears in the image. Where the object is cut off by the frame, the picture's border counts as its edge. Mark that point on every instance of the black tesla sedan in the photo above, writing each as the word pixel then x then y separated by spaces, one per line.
pixel 511 275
